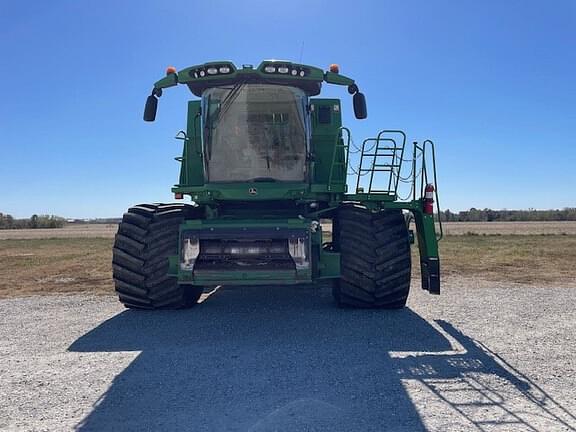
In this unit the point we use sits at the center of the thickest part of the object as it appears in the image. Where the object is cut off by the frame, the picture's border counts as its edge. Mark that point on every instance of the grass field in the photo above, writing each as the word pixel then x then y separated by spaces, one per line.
pixel 78 259
pixel 527 259
pixel 43 266
pixel 450 228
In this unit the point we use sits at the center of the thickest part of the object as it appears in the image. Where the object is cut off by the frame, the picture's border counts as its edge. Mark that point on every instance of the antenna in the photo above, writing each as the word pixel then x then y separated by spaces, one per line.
pixel 301 52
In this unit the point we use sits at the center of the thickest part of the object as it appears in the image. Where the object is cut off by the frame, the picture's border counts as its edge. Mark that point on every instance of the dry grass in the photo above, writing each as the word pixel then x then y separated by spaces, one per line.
pixel 69 231
pixel 503 228
pixel 450 228
pixel 526 259
pixel 72 264
pixel 44 266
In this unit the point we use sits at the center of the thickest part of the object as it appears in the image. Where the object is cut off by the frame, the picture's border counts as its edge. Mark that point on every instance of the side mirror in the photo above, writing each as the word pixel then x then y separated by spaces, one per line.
pixel 151 107
pixel 359 102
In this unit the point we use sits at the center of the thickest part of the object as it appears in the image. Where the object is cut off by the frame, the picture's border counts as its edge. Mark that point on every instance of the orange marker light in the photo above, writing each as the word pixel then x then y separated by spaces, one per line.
pixel 334 68
pixel 170 70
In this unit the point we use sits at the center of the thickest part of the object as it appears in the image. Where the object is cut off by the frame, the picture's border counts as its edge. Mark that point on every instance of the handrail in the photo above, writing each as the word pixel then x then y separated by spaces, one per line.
pixel 346 148
pixel 397 155
pixel 433 151
pixel 426 169
pixel 181 135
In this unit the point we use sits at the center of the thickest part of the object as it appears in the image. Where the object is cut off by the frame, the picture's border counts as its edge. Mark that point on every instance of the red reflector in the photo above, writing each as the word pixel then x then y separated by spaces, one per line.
pixel 178 195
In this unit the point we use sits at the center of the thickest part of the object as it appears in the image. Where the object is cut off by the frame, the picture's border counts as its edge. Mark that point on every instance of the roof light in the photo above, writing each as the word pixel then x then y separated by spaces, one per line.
pixel 283 69
pixel 334 68
pixel 170 70
pixel 270 69
pixel 224 69
pixel 212 71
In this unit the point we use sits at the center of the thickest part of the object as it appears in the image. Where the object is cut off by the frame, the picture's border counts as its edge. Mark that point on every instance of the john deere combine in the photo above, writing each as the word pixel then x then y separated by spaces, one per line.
pixel 264 164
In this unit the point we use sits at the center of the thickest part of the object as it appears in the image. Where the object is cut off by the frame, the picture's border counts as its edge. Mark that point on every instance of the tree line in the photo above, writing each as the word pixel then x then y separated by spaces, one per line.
pixel 489 215
pixel 36 221
pixel 472 215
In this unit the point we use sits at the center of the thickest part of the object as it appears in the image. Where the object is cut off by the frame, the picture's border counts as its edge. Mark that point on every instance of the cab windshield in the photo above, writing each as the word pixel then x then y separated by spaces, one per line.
pixel 255 132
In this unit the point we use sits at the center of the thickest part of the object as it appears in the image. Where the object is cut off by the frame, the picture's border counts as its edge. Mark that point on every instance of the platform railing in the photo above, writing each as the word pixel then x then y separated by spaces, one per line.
pixel 383 154
pixel 343 140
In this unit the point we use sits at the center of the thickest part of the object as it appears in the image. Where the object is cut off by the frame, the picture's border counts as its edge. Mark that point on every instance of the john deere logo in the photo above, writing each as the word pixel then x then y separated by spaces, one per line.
pixel 253 191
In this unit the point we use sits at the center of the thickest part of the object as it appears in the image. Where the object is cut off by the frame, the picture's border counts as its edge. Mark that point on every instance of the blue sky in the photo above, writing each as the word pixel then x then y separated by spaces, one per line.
pixel 493 83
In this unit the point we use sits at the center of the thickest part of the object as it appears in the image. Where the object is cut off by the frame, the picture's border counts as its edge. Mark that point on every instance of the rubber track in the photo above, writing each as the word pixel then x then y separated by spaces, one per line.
pixel 146 237
pixel 375 258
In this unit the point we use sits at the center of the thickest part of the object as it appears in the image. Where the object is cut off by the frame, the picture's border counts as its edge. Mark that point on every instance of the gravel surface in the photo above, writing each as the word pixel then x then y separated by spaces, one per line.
pixel 285 359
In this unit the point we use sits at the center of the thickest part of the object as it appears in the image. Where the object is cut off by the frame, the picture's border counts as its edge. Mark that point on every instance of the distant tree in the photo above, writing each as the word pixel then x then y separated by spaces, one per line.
pixel 33 221
pixel 36 221
pixel 504 215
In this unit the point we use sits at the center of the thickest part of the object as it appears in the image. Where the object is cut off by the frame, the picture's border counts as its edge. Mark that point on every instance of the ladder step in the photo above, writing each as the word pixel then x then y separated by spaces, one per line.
pixel 381 166
pixel 375 170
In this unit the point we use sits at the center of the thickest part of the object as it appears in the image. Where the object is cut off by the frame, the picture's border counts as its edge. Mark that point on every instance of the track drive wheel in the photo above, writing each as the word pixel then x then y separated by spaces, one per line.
pixel 146 237
pixel 375 258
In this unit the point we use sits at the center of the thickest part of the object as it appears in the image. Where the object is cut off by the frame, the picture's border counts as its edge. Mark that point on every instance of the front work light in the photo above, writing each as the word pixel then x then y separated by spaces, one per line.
pixel 190 251
pixel 298 250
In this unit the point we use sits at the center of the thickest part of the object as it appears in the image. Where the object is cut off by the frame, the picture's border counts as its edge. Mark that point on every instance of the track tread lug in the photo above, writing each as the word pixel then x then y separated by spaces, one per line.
pixel 376 261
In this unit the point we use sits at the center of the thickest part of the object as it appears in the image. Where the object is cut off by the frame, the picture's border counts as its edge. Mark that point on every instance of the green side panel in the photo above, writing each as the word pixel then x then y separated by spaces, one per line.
pixel 245 191
pixel 192 168
pixel 326 121
pixel 328 265
pixel 427 241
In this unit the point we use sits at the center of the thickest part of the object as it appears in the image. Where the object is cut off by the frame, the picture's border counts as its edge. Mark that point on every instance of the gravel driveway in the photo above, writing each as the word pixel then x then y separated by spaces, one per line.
pixel 285 359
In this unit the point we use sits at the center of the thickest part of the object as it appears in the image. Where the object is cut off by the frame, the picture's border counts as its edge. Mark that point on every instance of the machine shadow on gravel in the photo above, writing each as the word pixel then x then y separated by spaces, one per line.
pixel 285 359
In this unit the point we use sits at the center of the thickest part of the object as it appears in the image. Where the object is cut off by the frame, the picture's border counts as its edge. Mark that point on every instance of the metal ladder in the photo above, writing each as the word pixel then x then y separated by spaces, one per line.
pixel 383 154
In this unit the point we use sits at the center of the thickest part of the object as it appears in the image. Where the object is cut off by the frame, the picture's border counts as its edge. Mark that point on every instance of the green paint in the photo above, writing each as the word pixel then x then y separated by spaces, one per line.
pixel 247 206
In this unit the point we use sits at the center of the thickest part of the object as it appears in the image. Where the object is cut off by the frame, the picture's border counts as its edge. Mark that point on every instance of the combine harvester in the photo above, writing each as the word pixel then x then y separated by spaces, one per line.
pixel 264 162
